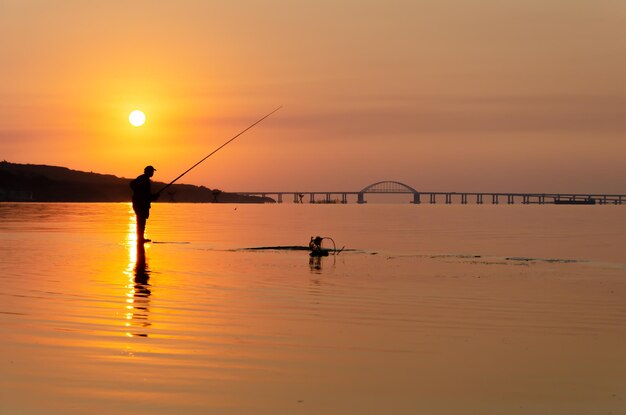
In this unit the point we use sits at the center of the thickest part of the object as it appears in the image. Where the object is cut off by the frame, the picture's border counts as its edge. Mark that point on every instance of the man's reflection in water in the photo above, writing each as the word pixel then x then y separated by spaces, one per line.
pixel 141 293
pixel 315 263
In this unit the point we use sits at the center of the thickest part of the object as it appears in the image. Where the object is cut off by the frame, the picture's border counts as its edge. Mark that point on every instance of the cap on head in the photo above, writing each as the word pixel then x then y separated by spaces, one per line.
pixel 149 168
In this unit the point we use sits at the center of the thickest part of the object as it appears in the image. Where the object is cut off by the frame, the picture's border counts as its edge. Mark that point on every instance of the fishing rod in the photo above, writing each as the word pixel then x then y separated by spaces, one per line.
pixel 216 150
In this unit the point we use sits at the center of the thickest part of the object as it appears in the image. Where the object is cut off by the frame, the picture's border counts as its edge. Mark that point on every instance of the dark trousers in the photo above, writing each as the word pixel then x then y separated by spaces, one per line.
pixel 142 217
pixel 141 226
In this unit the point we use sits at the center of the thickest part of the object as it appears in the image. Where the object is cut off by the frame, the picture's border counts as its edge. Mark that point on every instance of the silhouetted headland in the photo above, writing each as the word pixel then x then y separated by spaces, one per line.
pixel 41 183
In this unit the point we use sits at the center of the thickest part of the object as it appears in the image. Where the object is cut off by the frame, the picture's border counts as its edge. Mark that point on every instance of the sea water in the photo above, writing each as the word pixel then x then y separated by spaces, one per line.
pixel 446 309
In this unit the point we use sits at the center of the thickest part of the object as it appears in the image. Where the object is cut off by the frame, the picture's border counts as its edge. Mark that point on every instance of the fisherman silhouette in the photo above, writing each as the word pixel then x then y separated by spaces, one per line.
pixel 142 198
pixel 315 245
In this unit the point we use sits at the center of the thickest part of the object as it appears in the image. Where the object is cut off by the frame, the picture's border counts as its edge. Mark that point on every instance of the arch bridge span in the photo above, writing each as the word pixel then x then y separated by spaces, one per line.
pixel 396 187
pixel 388 186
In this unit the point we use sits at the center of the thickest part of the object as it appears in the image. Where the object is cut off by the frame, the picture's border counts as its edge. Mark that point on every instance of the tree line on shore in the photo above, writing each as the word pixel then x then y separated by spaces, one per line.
pixel 41 183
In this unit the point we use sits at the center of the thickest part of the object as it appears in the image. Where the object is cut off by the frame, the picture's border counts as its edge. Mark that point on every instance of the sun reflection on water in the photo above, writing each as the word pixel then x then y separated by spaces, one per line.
pixel 138 288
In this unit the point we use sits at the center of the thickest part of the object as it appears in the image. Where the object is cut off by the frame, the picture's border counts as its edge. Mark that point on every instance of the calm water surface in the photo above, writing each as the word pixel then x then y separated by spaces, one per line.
pixel 433 309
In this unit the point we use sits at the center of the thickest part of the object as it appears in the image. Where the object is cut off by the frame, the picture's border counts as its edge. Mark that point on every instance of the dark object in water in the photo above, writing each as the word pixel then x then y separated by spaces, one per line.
pixel 315 245
pixel 287 248
pixel 575 201
pixel 277 248
pixel 319 253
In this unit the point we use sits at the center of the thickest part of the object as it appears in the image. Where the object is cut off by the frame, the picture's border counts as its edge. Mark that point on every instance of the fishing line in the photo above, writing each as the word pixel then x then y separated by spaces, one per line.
pixel 216 150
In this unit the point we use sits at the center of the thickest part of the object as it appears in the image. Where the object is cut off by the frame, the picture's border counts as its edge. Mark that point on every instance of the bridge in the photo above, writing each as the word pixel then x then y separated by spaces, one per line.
pixel 394 187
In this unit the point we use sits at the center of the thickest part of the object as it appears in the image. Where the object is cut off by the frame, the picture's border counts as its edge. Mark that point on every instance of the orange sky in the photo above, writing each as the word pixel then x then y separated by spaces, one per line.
pixel 487 95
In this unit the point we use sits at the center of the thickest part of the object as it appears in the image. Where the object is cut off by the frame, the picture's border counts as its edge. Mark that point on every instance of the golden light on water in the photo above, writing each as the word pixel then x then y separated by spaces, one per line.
pixel 138 287
pixel 137 118
pixel 131 235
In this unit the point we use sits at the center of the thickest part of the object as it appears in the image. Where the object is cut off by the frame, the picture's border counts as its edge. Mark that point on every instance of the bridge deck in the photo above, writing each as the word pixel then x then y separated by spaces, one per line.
pixel 452 197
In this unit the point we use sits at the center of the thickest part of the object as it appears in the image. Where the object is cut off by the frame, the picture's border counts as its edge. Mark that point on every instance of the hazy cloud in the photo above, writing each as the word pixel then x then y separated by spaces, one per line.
pixel 470 115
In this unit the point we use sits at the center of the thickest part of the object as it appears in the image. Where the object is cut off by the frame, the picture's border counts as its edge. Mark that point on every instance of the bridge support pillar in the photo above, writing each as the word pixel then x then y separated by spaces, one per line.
pixel 525 199
pixel 479 199
pixel 464 198
pixel 361 198
pixel 432 199
pixel 494 199
pixel 280 198
pixel 416 198
pixel 510 200
pixel 312 198
pixel 328 198
pixel 448 198
pixel 542 200
pixel 344 198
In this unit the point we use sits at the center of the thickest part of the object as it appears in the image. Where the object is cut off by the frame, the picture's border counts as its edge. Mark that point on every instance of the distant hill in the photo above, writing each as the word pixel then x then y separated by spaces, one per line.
pixel 40 183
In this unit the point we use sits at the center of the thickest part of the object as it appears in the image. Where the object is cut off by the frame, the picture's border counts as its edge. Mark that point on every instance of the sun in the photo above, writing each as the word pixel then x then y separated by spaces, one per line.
pixel 137 118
